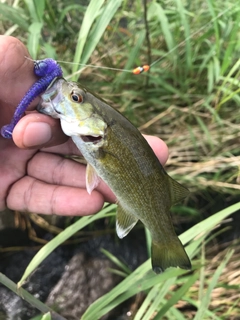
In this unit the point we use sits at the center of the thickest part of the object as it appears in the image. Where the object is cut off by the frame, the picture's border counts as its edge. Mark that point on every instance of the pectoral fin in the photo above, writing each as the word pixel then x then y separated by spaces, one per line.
pixel 92 179
pixel 125 222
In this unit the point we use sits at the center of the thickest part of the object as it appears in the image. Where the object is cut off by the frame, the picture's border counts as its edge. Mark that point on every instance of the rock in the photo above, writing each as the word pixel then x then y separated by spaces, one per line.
pixel 85 279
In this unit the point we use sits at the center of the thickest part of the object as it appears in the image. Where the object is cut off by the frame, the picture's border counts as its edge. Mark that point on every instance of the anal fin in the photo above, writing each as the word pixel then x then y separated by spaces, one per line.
pixel 125 222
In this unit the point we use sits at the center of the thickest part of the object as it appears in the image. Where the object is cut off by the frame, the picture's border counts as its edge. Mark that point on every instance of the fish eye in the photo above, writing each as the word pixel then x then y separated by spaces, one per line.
pixel 76 97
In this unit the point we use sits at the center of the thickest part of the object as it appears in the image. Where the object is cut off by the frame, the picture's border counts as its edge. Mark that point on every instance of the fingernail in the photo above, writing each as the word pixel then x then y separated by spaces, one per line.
pixel 37 134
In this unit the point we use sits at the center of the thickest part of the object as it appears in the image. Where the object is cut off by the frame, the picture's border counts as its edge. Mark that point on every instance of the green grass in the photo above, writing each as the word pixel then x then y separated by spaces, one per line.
pixel 142 279
pixel 190 98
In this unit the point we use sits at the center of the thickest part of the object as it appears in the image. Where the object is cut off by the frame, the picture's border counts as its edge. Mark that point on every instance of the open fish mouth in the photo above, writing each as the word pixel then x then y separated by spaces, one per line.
pixel 92 139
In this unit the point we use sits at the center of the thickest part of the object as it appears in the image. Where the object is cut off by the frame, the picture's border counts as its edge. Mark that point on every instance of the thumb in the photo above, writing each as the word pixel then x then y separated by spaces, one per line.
pixel 36 130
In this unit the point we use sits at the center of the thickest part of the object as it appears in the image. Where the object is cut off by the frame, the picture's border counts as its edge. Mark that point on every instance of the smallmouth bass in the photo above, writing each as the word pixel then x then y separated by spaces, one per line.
pixel 117 153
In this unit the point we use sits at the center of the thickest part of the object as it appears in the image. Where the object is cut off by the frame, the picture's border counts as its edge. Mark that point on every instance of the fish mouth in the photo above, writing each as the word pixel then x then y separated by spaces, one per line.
pixel 91 139
pixel 51 97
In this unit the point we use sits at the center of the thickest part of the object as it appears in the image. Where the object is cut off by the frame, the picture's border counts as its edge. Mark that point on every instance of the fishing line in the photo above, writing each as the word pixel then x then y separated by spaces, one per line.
pixel 94 66
pixel 146 67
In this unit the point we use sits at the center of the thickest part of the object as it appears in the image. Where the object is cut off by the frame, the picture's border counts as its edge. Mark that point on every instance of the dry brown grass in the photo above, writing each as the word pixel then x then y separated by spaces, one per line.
pixel 199 156
pixel 225 298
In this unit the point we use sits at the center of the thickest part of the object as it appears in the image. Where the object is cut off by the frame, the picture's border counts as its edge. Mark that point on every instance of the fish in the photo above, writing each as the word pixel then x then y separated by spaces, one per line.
pixel 117 153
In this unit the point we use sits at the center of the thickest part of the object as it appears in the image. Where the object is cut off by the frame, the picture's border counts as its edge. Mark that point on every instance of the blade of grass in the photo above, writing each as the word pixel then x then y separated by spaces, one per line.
pixel 206 131
pixel 11 30
pixel 28 297
pixel 133 284
pixel 209 314
pixel 153 298
pixel 116 261
pixel 206 59
pixel 66 10
pixel 228 53
pixel 15 15
pixel 132 56
pixel 143 278
pixel 213 73
pixel 194 140
pixel 61 237
pixel 156 10
pixel 216 117
pixel 38 317
pixel 158 299
pixel 147 302
pixel 40 7
pixel 177 296
pixel 88 20
pixel 101 24
pixel 211 5
pixel 34 38
pixel 184 22
pixel 208 224
pixel 227 94
pixel 210 68
pixel 47 316
pixel 35 9
pixel 202 274
pixel 207 297
pixel 174 313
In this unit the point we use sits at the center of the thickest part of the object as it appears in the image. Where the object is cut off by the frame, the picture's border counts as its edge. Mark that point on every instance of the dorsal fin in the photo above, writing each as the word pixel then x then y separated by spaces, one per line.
pixel 177 191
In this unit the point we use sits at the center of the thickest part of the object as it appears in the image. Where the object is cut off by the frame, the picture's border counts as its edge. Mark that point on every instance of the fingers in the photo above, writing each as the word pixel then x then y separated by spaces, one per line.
pixel 56 170
pixel 159 147
pixel 29 194
pixel 36 130
pixel 58 185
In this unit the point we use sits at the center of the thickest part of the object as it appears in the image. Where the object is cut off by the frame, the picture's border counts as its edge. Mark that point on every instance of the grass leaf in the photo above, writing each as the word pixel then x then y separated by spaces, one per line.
pixel 60 238
pixel 34 38
pixel 91 13
pixel 116 261
pixel 177 296
pixel 15 15
pixel 27 296
pixel 203 308
pixel 156 10
pixel 100 26
pixel 143 278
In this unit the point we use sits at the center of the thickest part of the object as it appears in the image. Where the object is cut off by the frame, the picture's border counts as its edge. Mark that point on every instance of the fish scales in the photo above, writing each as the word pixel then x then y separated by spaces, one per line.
pixel 143 192
pixel 117 153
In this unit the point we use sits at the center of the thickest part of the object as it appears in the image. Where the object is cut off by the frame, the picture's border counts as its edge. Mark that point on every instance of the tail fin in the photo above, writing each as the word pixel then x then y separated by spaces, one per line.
pixel 168 255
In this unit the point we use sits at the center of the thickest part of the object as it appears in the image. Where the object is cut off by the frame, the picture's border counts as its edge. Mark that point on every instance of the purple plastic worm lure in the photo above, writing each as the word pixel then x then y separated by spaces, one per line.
pixel 47 69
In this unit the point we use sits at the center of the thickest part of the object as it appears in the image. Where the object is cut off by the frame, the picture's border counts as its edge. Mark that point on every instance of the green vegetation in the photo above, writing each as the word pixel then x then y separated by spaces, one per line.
pixel 190 98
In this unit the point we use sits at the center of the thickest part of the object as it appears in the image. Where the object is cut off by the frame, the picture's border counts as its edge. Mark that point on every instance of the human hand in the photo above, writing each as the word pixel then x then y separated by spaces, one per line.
pixel 33 174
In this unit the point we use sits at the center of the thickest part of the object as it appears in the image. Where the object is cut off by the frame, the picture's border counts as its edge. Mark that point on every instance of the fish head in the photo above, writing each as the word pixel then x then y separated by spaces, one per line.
pixel 69 102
